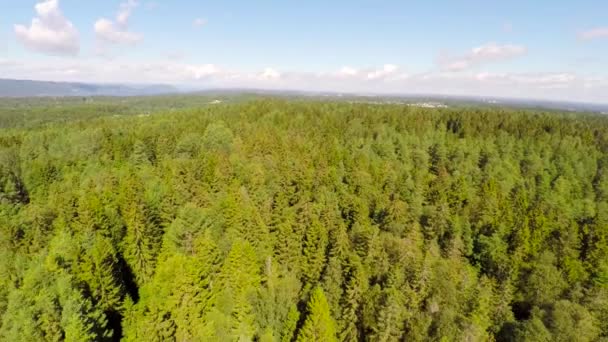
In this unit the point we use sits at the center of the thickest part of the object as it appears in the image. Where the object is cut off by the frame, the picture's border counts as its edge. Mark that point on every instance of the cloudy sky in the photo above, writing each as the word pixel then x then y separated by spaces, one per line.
pixel 545 49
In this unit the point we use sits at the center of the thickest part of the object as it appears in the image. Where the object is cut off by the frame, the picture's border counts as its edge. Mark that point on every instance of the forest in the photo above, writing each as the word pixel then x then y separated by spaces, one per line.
pixel 281 220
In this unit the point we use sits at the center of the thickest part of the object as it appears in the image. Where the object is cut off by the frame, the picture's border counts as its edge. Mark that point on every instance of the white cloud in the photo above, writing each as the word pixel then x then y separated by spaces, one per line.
pixel 598 32
pixel 200 71
pixel 50 32
pixel 348 71
pixel 551 85
pixel 122 17
pixel 110 32
pixel 495 51
pixel 490 52
pixel 270 74
pixel 386 70
pixel 561 86
pixel 547 78
pixel 199 22
pixel 7 64
pixel 117 31
pixel 535 79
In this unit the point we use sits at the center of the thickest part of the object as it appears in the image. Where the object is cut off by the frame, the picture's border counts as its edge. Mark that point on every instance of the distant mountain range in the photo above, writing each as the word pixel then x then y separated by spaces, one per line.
pixel 27 88
pixel 30 88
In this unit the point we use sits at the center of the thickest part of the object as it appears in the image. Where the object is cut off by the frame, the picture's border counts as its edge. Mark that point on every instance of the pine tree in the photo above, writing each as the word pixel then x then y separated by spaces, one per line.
pixel 142 240
pixel 288 242
pixel 291 323
pixel 315 244
pixel 181 235
pixel 351 301
pixel 319 326
pixel 242 221
pixel 140 244
pixel 389 323
pixel 99 271
pixel 333 280
pixel 238 278
pixel 206 266
pixel 49 306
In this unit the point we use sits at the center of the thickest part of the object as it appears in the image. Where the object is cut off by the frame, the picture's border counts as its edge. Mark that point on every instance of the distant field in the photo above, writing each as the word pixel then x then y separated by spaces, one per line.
pixel 29 112
pixel 35 111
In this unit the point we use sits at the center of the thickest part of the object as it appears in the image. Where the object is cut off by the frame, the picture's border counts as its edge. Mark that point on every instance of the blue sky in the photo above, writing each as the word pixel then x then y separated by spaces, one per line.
pixel 542 49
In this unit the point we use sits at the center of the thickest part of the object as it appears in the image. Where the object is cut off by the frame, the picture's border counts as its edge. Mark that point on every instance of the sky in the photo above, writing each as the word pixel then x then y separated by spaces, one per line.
pixel 542 49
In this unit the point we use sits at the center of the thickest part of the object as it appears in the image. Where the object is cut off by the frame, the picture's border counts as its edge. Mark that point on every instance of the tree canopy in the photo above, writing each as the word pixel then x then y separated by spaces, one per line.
pixel 276 220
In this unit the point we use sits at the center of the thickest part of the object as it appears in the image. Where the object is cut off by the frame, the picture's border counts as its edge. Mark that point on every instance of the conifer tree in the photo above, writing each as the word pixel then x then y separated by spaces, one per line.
pixel 238 278
pixel 318 326
pixel 290 325
pixel 99 271
pixel 389 325
pixel 142 240
pixel 351 301
pixel 315 244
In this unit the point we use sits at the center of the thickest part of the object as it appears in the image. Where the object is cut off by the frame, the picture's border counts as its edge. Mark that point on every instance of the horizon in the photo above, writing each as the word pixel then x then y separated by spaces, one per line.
pixel 514 51
pixel 177 90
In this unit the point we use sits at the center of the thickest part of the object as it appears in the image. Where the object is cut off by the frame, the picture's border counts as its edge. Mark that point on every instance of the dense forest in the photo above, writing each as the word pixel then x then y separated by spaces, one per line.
pixel 274 220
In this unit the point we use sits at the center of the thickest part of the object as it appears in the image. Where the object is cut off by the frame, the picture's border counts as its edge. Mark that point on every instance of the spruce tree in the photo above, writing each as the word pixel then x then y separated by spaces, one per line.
pixel 318 326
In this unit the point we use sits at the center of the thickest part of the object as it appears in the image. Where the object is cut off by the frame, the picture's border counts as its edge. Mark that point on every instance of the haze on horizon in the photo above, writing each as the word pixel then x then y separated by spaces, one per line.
pixel 544 49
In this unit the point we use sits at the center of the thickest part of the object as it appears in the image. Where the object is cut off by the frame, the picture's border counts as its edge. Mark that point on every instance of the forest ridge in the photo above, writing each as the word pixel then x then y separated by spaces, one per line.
pixel 273 220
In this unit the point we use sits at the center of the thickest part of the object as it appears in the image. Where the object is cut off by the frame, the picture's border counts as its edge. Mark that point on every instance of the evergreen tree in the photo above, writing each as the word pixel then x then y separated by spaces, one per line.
pixel 238 278
pixel 99 271
pixel 290 325
pixel 319 325
pixel 315 244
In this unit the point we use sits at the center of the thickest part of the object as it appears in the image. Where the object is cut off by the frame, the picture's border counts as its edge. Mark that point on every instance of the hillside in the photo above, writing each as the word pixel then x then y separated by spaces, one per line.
pixel 27 88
